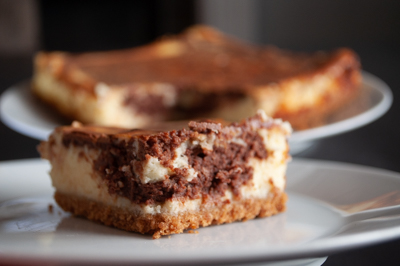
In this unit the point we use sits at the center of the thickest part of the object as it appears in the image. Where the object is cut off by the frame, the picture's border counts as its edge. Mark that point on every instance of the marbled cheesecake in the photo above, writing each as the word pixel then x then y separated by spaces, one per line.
pixel 162 181
pixel 198 73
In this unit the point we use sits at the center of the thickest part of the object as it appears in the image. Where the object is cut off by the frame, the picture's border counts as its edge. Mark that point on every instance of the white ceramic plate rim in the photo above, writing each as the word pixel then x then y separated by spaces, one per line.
pixel 322 246
pixel 26 122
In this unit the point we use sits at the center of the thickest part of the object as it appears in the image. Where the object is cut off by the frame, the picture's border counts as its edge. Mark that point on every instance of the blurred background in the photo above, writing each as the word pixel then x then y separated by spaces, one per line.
pixel 370 27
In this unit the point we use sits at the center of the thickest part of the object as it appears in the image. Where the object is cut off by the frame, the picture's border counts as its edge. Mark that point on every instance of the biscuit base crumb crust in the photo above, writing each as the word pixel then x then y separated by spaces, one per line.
pixel 166 224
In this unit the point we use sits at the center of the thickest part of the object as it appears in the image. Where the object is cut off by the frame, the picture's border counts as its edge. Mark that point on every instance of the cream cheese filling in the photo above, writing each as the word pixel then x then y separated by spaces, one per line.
pixel 72 172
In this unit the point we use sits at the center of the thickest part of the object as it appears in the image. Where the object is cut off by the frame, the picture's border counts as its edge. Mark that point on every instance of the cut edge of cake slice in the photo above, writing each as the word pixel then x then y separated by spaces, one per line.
pixel 164 182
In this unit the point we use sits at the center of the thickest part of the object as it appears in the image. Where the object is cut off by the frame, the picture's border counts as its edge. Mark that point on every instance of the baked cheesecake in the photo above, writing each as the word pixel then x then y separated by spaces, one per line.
pixel 163 181
pixel 198 73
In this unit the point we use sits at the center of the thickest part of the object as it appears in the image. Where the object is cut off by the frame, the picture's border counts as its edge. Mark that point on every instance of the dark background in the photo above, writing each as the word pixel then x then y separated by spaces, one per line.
pixel 371 28
pixel 89 25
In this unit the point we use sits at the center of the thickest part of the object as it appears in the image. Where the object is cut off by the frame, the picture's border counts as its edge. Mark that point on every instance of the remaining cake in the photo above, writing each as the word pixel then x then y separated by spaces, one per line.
pixel 162 182
pixel 199 73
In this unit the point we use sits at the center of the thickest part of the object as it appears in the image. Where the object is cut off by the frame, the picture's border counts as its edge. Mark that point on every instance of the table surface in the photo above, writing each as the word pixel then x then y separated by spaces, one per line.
pixel 374 145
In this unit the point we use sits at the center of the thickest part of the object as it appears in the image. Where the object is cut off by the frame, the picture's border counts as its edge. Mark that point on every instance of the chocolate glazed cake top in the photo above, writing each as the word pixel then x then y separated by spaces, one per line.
pixel 223 167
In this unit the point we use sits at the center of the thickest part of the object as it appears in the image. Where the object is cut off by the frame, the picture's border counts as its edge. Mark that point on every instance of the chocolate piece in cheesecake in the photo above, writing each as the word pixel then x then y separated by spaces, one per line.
pixel 198 73
pixel 163 182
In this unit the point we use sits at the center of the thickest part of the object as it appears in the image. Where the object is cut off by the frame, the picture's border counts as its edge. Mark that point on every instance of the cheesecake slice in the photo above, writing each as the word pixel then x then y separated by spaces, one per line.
pixel 198 73
pixel 163 181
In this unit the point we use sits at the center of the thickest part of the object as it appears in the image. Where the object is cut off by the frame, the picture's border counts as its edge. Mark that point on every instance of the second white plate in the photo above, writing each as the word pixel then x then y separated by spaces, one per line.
pixel 22 112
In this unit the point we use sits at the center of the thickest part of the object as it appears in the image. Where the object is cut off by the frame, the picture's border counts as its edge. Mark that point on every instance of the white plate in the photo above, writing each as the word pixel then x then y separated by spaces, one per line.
pixel 21 111
pixel 331 208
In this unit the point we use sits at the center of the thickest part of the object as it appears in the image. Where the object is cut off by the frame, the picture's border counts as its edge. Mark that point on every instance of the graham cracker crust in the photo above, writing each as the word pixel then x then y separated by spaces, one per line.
pixel 166 224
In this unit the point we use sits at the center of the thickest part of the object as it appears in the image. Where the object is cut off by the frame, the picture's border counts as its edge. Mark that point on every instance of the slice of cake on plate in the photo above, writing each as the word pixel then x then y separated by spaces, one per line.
pixel 199 73
pixel 161 181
